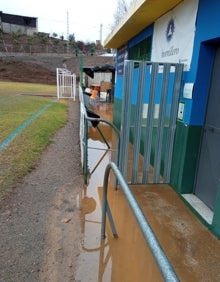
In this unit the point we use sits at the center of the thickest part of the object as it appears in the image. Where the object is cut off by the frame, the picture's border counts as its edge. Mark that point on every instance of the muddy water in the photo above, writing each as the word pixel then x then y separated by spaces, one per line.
pixel 193 251
pixel 126 258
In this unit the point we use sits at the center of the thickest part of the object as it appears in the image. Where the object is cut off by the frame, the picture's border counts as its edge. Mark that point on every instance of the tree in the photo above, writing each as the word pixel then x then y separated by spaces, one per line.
pixel 72 37
pixel 122 8
pixel 81 45
pixel 29 43
pixel 2 41
pixel 44 40
pixel 56 43
pixel 54 34
pixel 75 47
pixel 16 35
pixel 92 49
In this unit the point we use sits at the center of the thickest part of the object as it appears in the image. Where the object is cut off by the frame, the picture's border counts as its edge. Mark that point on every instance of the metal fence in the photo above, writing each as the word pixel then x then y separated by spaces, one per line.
pixel 148 120
pixel 88 116
pixel 66 84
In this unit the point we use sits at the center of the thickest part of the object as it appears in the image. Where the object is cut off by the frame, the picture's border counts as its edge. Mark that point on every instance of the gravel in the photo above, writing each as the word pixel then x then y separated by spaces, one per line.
pixel 39 218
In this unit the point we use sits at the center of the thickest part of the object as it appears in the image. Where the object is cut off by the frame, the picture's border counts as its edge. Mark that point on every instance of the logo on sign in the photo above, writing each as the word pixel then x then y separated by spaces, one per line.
pixel 170 30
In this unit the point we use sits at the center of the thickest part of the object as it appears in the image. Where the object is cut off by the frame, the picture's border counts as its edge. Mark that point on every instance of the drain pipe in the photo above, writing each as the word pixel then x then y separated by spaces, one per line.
pixel 161 259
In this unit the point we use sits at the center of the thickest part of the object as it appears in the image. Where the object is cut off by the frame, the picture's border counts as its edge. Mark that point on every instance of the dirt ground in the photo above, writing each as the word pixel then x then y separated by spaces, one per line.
pixel 40 229
pixel 39 219
pixel 41 68
pixel 27 69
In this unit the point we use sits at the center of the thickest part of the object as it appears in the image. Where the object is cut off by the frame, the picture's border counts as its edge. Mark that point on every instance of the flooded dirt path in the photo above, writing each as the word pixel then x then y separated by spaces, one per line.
pixel 51 222
pixel 126 258
pixel 193 251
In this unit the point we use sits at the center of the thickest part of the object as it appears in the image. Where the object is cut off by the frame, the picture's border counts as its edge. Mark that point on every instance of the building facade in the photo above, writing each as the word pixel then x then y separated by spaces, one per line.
pixel 14 23
pixel 186 32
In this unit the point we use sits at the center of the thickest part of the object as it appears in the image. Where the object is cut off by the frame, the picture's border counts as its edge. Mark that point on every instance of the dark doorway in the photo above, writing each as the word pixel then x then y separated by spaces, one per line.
pixel 208 173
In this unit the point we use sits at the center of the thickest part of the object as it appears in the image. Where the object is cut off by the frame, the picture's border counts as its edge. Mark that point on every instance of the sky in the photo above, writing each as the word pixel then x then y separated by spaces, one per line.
pixel 83 18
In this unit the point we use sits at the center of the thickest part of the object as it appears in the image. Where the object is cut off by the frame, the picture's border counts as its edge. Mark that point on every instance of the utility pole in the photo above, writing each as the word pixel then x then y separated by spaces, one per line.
pixel 67 33
pixel 101 33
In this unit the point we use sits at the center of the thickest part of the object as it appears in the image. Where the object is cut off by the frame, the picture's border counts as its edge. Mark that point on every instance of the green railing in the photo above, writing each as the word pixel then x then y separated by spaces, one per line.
pixel 162 261
pixel 89 116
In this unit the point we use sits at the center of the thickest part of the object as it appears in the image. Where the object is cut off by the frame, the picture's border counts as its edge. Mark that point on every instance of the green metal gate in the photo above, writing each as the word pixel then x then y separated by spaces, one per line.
pixel 149 113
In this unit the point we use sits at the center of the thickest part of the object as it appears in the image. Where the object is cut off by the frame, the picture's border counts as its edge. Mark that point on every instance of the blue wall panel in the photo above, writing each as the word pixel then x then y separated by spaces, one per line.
pixel 206 36
pixel 119 87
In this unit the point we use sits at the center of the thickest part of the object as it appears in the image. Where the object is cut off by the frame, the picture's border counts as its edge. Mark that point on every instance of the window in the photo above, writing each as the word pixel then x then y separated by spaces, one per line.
pixel 141 51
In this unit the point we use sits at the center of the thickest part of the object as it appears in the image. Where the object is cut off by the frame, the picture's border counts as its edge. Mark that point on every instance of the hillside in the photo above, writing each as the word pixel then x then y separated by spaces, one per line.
pixel 41 68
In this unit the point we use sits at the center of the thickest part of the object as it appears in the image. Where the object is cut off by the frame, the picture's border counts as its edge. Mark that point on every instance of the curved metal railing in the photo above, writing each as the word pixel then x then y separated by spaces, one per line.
pixel 85 118
pixel 161 259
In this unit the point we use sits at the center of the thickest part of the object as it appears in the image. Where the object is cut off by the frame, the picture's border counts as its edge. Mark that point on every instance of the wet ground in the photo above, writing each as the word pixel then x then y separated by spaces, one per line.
pixel 192 250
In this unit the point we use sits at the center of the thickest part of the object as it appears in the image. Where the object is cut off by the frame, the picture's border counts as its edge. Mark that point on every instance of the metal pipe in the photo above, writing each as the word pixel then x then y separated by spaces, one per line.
pixel 85 151
pixel 103 137
pixel 161 259
pixel 86 118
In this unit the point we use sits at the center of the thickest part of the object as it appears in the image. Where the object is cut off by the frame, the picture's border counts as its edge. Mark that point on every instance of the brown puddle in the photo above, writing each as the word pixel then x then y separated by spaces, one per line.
pixel 127 258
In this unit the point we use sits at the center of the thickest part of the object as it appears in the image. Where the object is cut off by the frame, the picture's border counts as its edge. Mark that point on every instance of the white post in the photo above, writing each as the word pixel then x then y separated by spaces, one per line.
pixel 58 92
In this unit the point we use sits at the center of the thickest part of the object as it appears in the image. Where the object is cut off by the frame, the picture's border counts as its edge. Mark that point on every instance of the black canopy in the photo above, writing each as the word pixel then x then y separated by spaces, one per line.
pixel 90 70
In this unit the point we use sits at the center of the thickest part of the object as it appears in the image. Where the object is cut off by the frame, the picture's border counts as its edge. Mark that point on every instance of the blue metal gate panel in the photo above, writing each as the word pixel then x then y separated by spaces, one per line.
pixel 149 112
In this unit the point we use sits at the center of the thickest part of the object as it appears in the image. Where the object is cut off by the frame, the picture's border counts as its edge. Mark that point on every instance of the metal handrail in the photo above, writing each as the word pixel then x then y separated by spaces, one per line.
pixel 85 139
pixel 160 257
pixel 101 120
pixel 96 119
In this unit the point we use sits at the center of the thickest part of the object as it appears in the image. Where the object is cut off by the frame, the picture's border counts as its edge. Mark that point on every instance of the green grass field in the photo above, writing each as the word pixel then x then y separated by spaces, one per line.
pixel 18 103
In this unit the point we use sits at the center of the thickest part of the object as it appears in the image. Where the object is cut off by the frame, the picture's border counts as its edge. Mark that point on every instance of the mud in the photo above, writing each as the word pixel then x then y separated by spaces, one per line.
pixel 51 222
pixel 39 219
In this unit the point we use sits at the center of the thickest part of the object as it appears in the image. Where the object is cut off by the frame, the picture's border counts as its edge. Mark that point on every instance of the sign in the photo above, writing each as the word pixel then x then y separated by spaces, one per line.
pixel 181 111
pixel 173 36
pixel 188 90
pixel 122 55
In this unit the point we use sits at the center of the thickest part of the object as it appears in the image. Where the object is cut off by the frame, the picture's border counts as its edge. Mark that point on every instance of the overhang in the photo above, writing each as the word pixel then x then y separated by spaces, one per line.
pixel 141 14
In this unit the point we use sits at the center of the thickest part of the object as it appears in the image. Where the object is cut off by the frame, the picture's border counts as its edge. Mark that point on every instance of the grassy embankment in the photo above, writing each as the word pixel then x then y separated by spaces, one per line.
pixel 20 155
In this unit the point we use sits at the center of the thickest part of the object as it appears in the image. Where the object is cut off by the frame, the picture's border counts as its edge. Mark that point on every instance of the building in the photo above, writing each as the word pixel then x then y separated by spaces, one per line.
pixel 14 23
pixel 186 32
